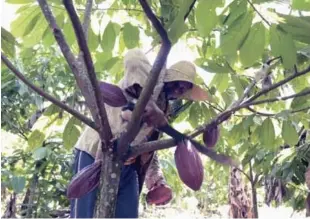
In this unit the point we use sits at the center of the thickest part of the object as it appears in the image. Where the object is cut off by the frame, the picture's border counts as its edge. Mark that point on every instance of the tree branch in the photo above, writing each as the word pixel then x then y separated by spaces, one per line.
pixel 76 67
pixel 280 83
pixel 87 15
pixel 273 114
pixel 73 112
pixel 134 124
pixel 99 111
pixel 60 39
pixel 303 93
pixel 227 113
pixel 264 19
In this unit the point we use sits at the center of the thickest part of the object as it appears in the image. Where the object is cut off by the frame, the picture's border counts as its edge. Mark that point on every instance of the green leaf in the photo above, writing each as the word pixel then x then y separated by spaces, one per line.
pixel 236 9
pixel 32 24
pixel 282 44
pixel 51 110
pixel 235 35
pixel 302 5
pixel 206 18
pixel 19 25
pixel 178 26
pixel 131 35
pixel 7 43
pixel 19 1
pixel 213 66
pixel 18 183
pixel 71 132
pixel 40 153
pixel 289 133
pixel 253 46
pixel 108 37
pixel 267 133
pixel 220 81
pixel 92 40
pixel 36 139
pixel 300 102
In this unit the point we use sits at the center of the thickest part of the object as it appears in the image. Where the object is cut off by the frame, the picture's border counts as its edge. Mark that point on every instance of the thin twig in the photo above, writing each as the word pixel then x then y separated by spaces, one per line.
pixel 303 93
pixel 280 83
pixel 134 124
pixel 273 114
pixel 105 130
pixel 87 15
pixel 264 19
pixel 190 9
pixel 47 96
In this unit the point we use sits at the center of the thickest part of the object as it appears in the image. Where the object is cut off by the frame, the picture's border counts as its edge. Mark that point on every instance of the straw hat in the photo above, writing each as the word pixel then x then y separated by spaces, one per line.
pixel 186 71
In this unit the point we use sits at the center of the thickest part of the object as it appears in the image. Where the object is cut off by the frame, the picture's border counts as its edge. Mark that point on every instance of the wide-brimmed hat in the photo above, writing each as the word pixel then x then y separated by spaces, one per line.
pixel 186 71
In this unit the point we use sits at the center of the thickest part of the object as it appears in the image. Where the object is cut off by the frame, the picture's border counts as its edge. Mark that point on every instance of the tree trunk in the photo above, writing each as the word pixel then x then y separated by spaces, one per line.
pixel 239 200
pixel 254 193
pixel 109 182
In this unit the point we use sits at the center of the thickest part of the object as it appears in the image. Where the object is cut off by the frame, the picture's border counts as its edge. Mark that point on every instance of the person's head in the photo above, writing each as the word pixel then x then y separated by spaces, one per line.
pixel 180 83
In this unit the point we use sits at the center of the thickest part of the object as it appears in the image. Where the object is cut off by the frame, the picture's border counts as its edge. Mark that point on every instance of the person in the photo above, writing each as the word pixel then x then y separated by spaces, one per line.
pixel 137 69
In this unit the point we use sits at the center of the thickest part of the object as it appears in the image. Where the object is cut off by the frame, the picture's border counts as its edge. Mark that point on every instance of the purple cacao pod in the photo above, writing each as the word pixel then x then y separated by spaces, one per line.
pixel 85 180
pixel 189 165
pixel 112 94
pixel 211 135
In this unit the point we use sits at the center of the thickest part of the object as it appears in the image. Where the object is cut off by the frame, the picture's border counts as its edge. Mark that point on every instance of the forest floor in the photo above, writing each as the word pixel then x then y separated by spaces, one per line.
pixel 222 212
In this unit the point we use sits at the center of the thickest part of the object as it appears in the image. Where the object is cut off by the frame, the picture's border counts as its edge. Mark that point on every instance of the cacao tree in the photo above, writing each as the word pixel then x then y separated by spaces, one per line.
pixel 262 120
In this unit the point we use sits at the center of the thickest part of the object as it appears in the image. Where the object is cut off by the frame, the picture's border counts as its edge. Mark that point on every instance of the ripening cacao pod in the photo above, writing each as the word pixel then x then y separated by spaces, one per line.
pixel 211 135
pixel 307 177
pixel 112 94
pixel 85 180
pixel 159 195
pixel 189 165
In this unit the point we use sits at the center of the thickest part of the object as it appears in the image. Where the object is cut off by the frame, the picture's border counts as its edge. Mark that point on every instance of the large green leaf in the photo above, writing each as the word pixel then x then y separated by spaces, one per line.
pixel 93 40
pixel 178 26
pixel 235 34
pixel 213 66
pixel 20 24
pixel 18 183
pixel 253 46
pixel 267 133
pixel 7 43
pixel 282 44
pixel 301 102
pixel 289 133
pixel 302 5
pixel 131 35
pixel 206 18
pixel 220 81
pixel 19 1
pixel 40 153
pixel 71 132
pixel 36 139
pixel 108 37
pixel 236 9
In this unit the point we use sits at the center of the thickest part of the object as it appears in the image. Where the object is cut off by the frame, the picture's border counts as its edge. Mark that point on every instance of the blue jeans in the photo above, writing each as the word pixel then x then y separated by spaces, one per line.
pixel 127 203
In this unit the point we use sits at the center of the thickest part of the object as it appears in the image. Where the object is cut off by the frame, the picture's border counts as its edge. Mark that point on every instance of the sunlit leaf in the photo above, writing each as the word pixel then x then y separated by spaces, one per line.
pixel 71 132
pixel 131 35
pixel 36 139
pixel 289 133
pixel 18 183
pixel 253 46
pixel 108 37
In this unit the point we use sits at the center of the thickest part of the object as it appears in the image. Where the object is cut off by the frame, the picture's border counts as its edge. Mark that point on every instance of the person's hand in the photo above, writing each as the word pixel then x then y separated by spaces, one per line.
pixel 153 116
